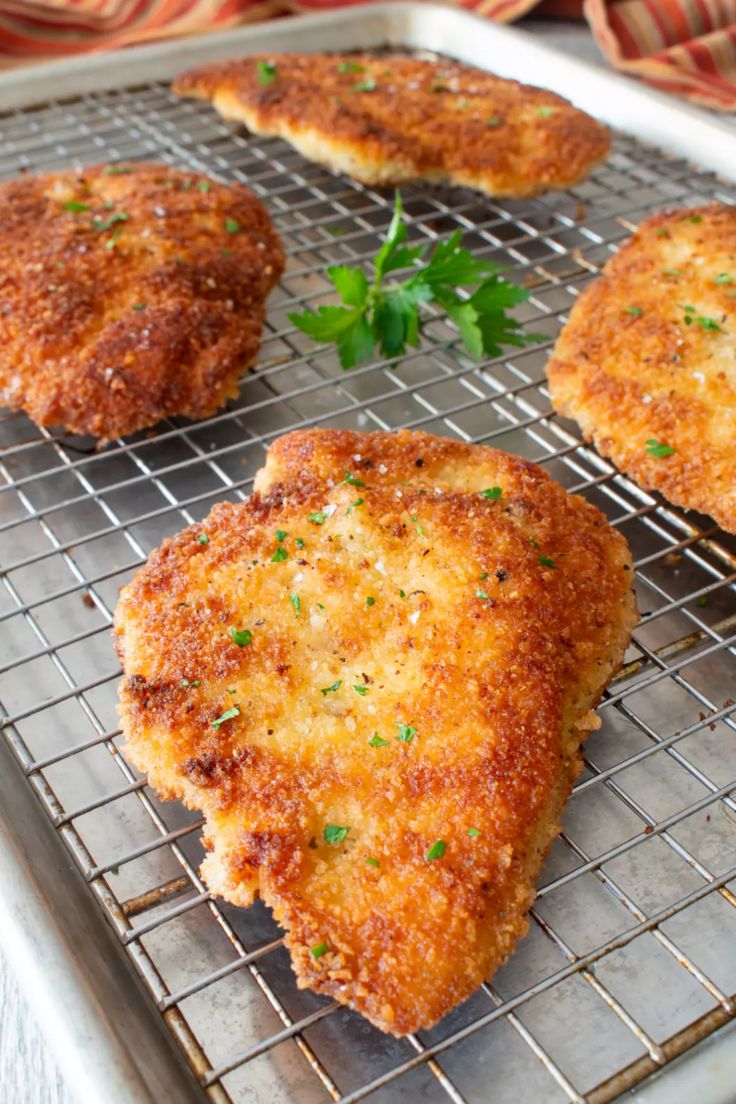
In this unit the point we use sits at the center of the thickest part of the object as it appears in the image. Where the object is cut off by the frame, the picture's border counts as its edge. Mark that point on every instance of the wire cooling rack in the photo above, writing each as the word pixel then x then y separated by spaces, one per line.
pixel 631 954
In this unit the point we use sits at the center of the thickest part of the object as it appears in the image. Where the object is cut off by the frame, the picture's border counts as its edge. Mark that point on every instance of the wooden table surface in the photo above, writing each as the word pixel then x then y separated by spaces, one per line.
pixel 28 1073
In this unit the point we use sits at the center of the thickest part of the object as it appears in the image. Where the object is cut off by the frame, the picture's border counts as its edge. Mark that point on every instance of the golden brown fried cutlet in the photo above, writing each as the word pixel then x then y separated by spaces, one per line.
pixel 391 120
pixel 375 688
pixel 648 358
pixel 128 294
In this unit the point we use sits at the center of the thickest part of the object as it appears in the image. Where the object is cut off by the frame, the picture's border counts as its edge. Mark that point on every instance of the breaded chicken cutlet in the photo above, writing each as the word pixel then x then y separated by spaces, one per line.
pixel 392 120
pixel 647 362
pixel 374 678
pixel 129 293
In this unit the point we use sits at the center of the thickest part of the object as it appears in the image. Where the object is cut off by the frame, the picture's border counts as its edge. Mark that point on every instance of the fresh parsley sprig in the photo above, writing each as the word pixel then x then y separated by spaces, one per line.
pixel 387 313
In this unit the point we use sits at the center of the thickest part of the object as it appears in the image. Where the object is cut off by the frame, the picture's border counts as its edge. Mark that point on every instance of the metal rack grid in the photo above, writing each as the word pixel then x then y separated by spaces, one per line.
pixel 631 954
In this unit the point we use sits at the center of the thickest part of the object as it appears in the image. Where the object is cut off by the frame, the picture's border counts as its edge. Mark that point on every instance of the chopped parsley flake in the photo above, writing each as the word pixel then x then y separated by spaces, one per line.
pixel 203 539
pixel 707 323
pixel 703 600
pixel 545 112
pixel 317 518
pixel 482 594
pixel 663 232
pixel 671 271
pixel 281 535
pixel 438 86
pixel 494 121
pixel 204 186
pixel 140 306
pixel 331 689
pixel 319 605
pixel 241 637
pixel 377 742
pixel 353 480
pixel 637 312
pixel 335 833
pixel 658 450
pixel 483 575
pixel 473 832
pixel 402 594
pixel 350 67
pixel 228 715
pixel 492 493
pixel 724 278
pixel 319 950
pixel 294 599
pixel 533 543
pixel 232 225
pixel 545 561
pixel 73 205
pixel 367 85
pixel 107 224
pixel 419 529
pixel 436 851
pixel 280 555
pixel 370 601
pixel 299 542
pixel 267 72
pixel 406 733
pixel 693 218
pixel 354 505
pixel 335 231
pixel 371 861
pixel 117 170
pixel 361 689
pixel 186 683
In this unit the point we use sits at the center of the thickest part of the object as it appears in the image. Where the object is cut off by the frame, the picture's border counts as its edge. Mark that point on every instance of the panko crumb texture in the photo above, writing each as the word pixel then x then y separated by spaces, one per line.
pixel 394 119
pixel 129 293
pixel 373 677
pixel 647 362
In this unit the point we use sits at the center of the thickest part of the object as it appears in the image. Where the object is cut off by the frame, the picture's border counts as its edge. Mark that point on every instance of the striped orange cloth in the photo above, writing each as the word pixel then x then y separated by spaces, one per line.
pixel 686 47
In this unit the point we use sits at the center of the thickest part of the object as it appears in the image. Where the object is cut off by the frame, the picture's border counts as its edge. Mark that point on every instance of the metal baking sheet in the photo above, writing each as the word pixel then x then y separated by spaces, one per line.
pixel 631 954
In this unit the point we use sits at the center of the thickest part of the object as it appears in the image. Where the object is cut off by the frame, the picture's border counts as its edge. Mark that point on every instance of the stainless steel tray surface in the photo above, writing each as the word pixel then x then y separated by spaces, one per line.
pixel 631 953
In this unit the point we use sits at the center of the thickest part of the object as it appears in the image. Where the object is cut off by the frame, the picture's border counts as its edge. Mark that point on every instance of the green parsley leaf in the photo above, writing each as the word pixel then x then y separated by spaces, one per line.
pixel 663 232
pixel 203 539
pixel 671 271
pixel 335 231
pixel 280 555
pixel 232 225
pixel 692 218
pixel 226 716
pixel 703 600
pixel 335 833
pixel 319 605
pixel 371 861
pixel 367 85
pixel 386 315
pixel 402 594
pixel 204 186
pixel 724 278
pixel 708 323
pixel 73 205
pixel 117 170
pixel 483 575
pixel 436 851
pixel 294 599
pixel 350 67
pixel 494 121
pixel 545 112
pixel 370 601
pixel 319 950
pixel 545 561
pixel 317 518
pixel 140 306
pixel 658 450
pixel 533 543
pixel 281 535
pixel 492 493
pixel 361 689
pixel 354 505
pixel 438 86
pixel 241 637
pixel 482 594
pixel 299 542
pixel 267 72
pixel 352 480
pixel 637 312
pixel 406 733
pixel 473 832
pixel 115 870
pixel 331 689
pixel 107 224
pixel 376 741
